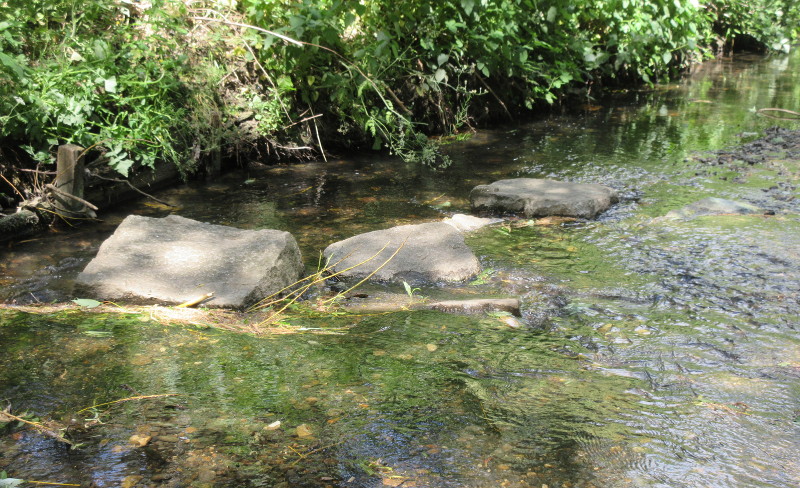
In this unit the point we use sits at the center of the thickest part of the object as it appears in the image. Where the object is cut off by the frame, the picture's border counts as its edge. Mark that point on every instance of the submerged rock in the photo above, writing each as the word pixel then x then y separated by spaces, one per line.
pixel 714 206
pixel 477 306
pixel 542 198
pixel 174 259
pixel 425 252
pixel 388 302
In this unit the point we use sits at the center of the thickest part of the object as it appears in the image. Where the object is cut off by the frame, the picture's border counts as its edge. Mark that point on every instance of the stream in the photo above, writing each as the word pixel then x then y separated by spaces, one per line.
pixel 656 353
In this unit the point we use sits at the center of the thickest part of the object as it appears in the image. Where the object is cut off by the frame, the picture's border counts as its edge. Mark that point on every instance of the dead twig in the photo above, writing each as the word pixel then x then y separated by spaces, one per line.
pixel 64 194
pixel 118 180
pixel 7 416
pixel 12 186
pixel 50 483
pixel 765 113
pixel 373 271
pixel 140 397
pixel 196 301
pixel 499 100
pixel 37 171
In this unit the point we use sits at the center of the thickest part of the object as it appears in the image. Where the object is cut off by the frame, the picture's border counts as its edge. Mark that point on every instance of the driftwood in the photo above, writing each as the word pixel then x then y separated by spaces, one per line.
pixel 7 416
pixel 24 223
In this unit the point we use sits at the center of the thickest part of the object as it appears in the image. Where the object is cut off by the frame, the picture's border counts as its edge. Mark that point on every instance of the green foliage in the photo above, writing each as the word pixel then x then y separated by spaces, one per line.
pixel 97 75
pixel 159 84
pixel 773 23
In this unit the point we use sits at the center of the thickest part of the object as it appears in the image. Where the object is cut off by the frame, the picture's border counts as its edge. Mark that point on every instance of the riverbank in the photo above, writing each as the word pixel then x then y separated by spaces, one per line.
pixel 271 81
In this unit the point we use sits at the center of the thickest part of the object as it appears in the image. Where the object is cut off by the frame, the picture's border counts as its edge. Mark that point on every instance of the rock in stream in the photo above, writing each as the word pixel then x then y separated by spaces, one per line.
pixel 175 260
pixel 431 252
pixel 533 197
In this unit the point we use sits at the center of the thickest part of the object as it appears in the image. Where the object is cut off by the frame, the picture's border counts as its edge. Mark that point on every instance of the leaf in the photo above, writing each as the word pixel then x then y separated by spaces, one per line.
pixel 441 75
pixel 441 59
pixel 468 5
pixel 110 84
pixel 121 164
pixel 407 287
pixel 551 14
pixel 87 302
pixel 12 63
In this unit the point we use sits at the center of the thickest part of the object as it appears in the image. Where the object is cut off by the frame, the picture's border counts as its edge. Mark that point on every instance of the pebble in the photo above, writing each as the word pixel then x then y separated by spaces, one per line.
pixel 303 431
pixel 139 440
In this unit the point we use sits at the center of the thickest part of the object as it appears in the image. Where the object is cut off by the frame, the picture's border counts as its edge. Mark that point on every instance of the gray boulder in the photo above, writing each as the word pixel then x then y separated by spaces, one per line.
pixel 175 260
pixel 532 197
pixel 430 252
pixel 714 206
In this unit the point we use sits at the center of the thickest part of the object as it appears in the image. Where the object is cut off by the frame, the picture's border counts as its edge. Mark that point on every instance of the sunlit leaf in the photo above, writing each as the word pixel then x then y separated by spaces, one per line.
pixel 87 302
pixel 110 84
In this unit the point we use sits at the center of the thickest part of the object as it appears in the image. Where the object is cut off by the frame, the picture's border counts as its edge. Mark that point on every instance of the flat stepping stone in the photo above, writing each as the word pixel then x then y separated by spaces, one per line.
pixel 432 252
pixel 175 260
pixel 533 197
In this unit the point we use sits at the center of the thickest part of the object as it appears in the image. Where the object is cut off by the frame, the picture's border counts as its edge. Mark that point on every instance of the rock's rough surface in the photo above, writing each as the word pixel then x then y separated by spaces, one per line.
pixel 430 252
pixel 469 223
pixel 714 206
pixel 175 259
pixel 542 198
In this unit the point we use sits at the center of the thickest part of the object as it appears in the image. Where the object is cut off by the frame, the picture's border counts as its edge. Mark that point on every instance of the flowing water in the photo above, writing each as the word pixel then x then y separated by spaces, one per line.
pixel 657 353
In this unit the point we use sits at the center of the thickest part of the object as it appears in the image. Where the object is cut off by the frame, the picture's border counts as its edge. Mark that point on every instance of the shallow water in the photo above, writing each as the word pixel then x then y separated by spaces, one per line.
pixel 659 353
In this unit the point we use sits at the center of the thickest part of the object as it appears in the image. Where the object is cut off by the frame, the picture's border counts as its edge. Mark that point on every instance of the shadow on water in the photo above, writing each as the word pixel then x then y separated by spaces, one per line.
pixel 660 352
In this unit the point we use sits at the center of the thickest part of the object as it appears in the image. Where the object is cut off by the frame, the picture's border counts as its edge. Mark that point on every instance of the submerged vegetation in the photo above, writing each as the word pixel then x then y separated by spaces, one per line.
pixel 190 83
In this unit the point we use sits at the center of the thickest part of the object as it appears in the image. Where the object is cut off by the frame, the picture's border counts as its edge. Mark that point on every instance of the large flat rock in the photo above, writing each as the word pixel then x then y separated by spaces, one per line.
pixel 432 252
pixel 175 259
pixel 542 198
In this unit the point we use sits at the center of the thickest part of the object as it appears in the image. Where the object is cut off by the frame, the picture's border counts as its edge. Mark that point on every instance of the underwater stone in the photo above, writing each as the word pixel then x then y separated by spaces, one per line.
pixel 425 252
pixel 714 206
pixel 533 197
pixel 175 259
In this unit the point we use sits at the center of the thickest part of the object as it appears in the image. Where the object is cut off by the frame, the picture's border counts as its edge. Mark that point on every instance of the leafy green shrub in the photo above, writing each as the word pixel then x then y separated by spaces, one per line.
pixel 96 75
pixel 181 84
pixel 775 24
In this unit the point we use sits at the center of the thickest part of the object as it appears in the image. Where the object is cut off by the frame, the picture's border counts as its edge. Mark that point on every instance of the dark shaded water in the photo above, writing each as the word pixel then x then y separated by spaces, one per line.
pixel 660 353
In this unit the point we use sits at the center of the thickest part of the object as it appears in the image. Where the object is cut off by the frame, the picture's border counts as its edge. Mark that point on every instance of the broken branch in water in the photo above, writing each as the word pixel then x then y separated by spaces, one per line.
pixel 141 397
pixel 131 185
pixel 764 112
pixel 7 416
pixel 196 301
pixel 50 483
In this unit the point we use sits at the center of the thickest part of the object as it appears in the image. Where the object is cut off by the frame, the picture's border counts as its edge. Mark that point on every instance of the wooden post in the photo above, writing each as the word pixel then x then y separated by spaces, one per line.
pixel 69 166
